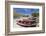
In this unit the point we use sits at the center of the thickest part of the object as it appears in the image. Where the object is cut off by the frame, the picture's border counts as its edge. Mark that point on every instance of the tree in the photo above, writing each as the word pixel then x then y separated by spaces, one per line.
pixel 35 14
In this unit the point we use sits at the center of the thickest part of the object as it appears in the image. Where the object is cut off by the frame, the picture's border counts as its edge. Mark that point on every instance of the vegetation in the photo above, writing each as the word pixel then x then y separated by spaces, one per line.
pixel 35 14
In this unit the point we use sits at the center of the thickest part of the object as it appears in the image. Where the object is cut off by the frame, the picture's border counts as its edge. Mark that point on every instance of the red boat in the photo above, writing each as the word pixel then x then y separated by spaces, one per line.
pixel 26 22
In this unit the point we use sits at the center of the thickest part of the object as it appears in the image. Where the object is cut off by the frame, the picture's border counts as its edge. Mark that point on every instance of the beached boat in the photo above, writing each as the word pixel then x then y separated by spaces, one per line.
pixel 26 22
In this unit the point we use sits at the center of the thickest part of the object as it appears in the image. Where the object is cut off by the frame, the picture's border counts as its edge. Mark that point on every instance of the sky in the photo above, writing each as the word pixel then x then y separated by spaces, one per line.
pixel 25 10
